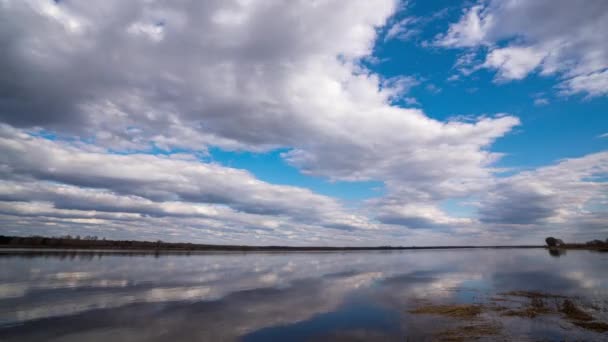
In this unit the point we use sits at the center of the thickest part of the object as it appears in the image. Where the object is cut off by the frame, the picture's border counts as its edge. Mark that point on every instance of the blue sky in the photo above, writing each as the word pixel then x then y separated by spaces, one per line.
pixel 337 122
pixel 270 167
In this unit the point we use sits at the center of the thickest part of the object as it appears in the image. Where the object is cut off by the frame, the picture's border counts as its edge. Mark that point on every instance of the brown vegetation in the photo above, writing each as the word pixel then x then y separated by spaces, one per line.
pixel 474 328
pixel 469 332
pixel 531 294
pixel 580 318
pixel 535 308
pixel 455 311
pixel 593 326
pixel 573 312
pixel 537 304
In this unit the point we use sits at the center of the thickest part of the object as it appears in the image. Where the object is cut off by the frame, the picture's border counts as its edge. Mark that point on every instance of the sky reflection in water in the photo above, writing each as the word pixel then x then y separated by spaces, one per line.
pixel 281 296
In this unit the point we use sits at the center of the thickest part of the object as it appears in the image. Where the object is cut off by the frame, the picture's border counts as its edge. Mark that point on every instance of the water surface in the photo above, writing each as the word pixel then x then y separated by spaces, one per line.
pixel 70 296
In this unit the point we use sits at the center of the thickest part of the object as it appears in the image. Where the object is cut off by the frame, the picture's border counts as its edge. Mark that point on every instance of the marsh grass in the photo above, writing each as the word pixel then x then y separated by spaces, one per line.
pixel 535 307
pixel 535 304
pixel 593 326
pixel 573 312
pixel 469 332
pixel 531 294
pixel 454 311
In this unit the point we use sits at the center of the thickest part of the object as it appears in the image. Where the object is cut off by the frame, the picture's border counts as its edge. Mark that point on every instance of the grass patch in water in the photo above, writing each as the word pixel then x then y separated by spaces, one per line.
pixel 469 332
pixel 454 311
pixel 573 312
pixel 535 307
pixel 538 304
pixel 594 326
pixel 530 294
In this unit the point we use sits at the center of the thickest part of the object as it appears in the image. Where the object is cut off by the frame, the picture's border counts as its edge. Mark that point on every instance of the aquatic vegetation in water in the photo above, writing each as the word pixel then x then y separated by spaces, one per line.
pixel 537 307
pixel 469 332
pixel 530 294
pixel 536 304
pixel 594 326
pixel 475 327
pixel 580 318
pixel 573 312
pixel 456 311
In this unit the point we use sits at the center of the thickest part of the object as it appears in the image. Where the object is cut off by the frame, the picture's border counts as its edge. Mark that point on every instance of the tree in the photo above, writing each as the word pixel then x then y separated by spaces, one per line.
pixel 595 243
pixel 551 241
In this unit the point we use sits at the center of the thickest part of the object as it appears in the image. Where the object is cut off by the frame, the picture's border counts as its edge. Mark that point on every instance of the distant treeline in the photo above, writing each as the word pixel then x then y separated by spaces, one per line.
pixel 593 244
pixel 93 242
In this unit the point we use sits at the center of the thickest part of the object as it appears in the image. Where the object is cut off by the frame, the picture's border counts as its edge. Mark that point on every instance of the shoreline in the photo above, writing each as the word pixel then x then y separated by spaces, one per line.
pixel 93 244
pixel 229 248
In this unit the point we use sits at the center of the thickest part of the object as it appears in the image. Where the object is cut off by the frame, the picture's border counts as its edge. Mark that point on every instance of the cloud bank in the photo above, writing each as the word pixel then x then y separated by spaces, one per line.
pixel 94 92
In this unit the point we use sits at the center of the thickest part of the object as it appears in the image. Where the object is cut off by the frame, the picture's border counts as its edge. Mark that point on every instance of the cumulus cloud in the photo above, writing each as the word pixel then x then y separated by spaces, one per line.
pixel 393 211
pixel 595 84
pixel 469 31
pixel 223 75
pixel 559 38
pixel 514 63
pixel 185 69
pixel 148 184
pixel 92 91
pixel 571 192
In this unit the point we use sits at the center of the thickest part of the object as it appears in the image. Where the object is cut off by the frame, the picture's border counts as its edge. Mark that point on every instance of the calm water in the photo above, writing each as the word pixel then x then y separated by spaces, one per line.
pixel 281 296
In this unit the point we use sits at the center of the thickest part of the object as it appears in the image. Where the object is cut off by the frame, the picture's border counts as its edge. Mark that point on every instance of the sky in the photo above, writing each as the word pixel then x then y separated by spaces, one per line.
pixel 320 122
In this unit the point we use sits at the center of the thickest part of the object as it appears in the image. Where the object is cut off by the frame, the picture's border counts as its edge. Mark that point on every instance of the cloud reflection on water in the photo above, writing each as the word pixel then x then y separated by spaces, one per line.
pixel 228 296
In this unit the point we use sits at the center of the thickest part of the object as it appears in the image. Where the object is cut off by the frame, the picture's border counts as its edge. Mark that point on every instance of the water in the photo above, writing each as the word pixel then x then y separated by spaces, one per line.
pixel 68 296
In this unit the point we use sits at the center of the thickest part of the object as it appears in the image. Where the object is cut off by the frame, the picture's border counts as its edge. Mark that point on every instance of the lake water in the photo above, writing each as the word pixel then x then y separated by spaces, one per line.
pixel 69 296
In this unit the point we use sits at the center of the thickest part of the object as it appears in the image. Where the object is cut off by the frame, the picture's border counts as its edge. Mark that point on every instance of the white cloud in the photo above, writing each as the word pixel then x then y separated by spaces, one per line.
pixel 514 63
pixel 95 180
pixel 294 86
pixel 398 87
pixel 415 215
pixel 291 86
pixel 412 101
pixel 402 29
pixel 114 81
pixel 594 84
pixel 557 37
pixel 470 31
pixel 453 78
pixel 565 193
